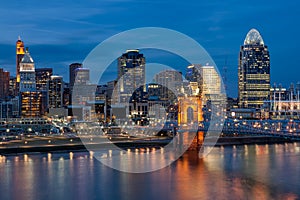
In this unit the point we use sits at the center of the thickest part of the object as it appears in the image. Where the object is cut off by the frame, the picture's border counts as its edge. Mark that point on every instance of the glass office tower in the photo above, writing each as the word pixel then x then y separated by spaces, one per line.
pixel 254 72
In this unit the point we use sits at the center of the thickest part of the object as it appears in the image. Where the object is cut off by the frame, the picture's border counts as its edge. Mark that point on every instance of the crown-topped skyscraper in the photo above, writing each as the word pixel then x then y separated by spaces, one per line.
pixel 20 52
pixel 27 73
pixel 33 102
pixel 254 72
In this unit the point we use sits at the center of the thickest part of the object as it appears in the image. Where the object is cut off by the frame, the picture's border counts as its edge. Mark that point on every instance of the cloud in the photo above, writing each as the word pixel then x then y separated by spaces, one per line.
pixel 60 32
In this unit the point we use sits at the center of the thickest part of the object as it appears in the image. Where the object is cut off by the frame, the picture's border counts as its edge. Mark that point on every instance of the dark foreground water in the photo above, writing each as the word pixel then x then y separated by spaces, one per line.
pixel 235 172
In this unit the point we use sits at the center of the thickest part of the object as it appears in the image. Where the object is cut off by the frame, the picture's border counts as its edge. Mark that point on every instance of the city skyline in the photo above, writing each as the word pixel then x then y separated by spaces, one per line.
pixel 220 28
pixel 139 99
pixel 111 72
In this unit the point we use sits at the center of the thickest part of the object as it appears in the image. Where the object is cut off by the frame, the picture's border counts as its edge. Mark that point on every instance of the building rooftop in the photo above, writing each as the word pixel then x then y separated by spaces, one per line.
pixel 27 58
pixel 253 37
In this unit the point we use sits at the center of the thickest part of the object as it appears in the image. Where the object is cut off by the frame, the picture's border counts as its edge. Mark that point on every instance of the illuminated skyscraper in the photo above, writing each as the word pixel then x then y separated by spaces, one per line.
pixel 131 74
pixel 32 102
pixel 42 76
pixel 55 92
pixel 20 51
pixel 27 73
pixel 211 81
pixel 12 86
pixel 254 71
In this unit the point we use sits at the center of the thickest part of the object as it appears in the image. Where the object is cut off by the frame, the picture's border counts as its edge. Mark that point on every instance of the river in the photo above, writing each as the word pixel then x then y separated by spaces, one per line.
pixel 230 172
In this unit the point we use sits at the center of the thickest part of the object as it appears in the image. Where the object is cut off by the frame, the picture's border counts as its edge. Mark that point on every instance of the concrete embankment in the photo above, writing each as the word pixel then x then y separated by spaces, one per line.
pixel 51 144
pixel 242 140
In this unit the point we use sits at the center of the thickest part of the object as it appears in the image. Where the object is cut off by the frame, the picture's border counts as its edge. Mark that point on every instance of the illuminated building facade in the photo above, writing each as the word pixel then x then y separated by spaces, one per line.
pixel 12 86
pixel 20 51
pixel 253 72
pixel 32 102
pixel 211 81
pixel 42 76
pixel 131 74
pixel 285 103
pixel 55 92
pixel 27 74
pixel 4 84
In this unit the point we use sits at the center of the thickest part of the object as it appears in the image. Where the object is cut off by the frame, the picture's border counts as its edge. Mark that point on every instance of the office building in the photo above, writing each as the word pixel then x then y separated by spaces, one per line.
pixel 42 76
pixel 171 81
pixel 27 73
pixel 211 81
pixel 194 76
pixel 72 74
pixel 55 92
pixel 253 72
pixel 66 95
pixel 12 86
pixel 33 103
pixel 131 74
pixel 4 84
pixel 82 76
pixel 20 51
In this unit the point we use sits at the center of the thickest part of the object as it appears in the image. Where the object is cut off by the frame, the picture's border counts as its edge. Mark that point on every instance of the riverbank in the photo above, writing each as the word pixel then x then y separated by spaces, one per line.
pixel 53 144
pixel 242 140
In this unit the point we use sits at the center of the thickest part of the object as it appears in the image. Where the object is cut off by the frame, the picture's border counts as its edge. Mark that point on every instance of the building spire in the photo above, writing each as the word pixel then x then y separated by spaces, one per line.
pixel 19 38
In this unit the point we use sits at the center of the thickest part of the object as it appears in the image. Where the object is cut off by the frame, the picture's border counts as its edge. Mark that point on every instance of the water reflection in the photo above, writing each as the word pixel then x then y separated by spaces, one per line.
pixel 240 172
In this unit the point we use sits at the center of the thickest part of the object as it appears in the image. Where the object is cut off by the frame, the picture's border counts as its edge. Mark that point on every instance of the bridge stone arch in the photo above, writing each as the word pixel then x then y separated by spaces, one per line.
pixel 189 110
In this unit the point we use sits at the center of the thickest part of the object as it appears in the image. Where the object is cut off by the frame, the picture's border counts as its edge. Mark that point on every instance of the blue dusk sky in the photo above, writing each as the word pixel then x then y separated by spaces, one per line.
pixel 62 32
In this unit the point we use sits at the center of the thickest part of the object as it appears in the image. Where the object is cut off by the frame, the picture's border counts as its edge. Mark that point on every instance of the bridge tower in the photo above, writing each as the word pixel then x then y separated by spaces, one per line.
pixel 189 115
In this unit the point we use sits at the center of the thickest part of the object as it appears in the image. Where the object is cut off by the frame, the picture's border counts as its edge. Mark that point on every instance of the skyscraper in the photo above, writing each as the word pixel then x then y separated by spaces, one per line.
pixel 32 102
pixel 4 84
pixel 171 80
pixel 72 75
pixel 19 55
pixel 55 92
pixel 13 86
pixel 194 76
pixel 27 73
pixel 82 89
pixel 82 76
pixel 254 71
pixel 193 73
pixel 131 74
pixel 42 76
pixel 211 81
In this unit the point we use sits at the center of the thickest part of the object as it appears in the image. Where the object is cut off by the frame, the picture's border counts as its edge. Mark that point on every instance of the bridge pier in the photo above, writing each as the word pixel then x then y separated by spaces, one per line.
pixel 197 142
